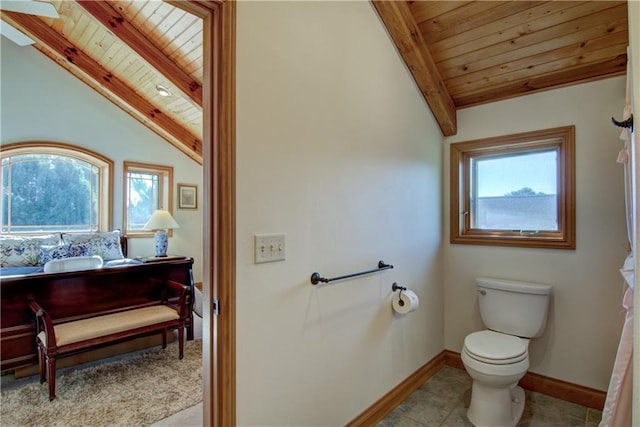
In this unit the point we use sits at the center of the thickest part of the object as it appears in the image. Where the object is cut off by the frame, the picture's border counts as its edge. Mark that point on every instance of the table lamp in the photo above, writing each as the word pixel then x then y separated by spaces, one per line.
pixel 161 221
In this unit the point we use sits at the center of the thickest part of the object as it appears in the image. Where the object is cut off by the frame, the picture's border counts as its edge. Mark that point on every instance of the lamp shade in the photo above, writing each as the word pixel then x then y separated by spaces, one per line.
pixel 161 220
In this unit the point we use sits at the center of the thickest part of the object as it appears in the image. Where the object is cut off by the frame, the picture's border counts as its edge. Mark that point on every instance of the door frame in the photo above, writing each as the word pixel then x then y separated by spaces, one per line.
pixel 219 208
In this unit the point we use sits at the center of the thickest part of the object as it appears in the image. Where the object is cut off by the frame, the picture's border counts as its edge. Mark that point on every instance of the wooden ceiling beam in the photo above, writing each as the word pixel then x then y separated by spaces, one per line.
pixel 404 32
pixel 56 46
pixel 116 23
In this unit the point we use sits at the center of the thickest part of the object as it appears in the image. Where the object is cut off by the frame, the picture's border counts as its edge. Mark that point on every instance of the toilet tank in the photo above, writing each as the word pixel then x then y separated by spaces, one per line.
pixel 514 308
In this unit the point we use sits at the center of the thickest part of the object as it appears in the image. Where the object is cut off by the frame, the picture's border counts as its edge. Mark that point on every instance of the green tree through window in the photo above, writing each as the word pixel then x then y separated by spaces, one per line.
pixel 524 192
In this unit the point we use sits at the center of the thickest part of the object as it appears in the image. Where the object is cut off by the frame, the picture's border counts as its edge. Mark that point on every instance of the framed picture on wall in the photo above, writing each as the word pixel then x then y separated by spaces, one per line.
pixel 187 196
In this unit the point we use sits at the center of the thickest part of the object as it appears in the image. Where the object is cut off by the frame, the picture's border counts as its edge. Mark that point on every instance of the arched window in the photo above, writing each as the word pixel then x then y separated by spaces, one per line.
pixel 54 187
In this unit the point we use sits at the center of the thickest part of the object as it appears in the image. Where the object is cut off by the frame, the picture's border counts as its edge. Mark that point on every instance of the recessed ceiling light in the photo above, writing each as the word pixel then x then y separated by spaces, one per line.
pixel 162 91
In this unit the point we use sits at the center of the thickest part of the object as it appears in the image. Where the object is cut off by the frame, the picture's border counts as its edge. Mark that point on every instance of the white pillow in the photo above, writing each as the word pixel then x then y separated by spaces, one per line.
pixel 73 264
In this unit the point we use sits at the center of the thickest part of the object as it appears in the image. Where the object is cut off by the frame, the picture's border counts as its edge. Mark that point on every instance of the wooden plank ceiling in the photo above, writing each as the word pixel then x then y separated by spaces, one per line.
pixel 460 53
pixel 485 51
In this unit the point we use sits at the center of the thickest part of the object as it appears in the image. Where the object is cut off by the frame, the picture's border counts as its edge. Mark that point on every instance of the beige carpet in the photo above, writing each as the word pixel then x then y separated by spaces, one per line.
pixel 135 390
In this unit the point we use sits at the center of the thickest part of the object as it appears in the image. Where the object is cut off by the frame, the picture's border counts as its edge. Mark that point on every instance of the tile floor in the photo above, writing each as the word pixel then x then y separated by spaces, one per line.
pixel 442 402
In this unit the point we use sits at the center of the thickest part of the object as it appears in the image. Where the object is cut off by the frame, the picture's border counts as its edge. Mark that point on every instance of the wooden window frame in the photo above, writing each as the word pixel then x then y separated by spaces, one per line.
pixel 165 190
pixel 461 154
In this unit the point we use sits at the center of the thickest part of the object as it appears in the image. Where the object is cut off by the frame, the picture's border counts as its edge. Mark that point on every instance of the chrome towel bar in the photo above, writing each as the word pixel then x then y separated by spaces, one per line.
pixel 316 278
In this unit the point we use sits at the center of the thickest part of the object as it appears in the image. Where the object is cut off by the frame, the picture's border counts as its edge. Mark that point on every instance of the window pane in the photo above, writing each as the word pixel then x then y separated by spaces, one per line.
pixel 45 192
pixel 516 192
pixel 142 198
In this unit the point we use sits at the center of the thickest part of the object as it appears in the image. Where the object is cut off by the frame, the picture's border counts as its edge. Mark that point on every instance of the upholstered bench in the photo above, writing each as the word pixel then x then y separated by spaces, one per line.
pixel 65 337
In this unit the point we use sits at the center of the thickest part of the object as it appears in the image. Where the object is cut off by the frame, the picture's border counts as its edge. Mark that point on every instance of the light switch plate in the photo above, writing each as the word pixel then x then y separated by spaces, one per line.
pixel 269 247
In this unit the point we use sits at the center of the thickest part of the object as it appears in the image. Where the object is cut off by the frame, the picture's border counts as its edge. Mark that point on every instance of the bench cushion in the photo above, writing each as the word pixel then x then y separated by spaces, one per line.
pixel 86 329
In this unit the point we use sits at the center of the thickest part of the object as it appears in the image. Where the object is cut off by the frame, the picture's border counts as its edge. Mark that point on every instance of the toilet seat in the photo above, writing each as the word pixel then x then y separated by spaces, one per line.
pixel 495 348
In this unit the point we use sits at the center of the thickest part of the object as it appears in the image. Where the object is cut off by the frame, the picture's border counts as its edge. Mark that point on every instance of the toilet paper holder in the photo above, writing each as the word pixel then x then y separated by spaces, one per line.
pixel 404 303
pixel 396 287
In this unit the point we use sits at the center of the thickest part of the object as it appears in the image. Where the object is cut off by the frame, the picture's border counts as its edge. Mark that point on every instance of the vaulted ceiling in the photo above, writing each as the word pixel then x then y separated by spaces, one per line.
pixel 460 53
pixel 125 50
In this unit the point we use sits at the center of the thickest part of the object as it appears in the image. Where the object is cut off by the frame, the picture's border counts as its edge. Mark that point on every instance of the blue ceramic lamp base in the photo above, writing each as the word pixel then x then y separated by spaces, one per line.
pixel 162 243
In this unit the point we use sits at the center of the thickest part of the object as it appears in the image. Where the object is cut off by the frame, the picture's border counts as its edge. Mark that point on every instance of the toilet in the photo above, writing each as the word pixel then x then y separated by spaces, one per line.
pixel 498 357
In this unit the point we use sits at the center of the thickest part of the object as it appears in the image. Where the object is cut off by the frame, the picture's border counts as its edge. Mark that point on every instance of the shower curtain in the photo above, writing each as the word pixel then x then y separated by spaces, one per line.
pixel 618 405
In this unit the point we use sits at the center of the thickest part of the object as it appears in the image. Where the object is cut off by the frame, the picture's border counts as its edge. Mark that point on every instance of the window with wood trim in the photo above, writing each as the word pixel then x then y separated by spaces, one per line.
pixel 515 190
pixel 147 187
pixel 49 186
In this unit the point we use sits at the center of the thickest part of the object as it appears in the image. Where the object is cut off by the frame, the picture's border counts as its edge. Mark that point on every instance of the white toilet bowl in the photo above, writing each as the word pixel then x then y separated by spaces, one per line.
pixel 496 359
pixel 496 362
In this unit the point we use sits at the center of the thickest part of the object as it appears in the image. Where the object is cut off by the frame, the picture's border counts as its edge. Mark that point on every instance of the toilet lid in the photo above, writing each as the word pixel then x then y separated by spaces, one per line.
pixel 495 348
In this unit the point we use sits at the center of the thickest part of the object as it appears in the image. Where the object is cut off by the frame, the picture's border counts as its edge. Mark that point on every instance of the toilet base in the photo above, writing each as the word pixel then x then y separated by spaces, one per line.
pixel 495 407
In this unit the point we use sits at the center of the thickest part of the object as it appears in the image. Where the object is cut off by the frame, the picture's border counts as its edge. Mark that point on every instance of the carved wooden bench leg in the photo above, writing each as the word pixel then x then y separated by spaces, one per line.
pixel 181 341
pixel 41 361
pixel 51 376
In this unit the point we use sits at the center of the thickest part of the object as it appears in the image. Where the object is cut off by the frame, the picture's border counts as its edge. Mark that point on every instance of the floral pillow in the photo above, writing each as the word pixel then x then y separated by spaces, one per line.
pixel 104 244
pixel 67 250
pixel 24 251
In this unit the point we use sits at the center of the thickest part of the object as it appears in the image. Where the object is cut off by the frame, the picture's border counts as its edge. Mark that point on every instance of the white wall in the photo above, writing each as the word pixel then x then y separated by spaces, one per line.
pixel 337 149
pixel 585 312
pixel 42 101
pixel 634 44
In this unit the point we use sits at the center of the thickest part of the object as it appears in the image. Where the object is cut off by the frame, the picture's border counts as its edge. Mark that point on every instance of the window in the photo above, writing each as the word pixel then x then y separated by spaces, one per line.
pixel 54 187
pixel 515 190
pixel 146 188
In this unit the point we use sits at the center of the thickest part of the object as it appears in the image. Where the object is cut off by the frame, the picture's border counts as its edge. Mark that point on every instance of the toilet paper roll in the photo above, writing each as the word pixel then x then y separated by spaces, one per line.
pixel 405 302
